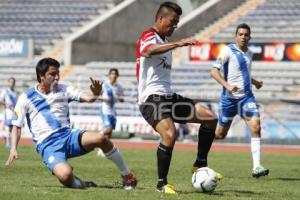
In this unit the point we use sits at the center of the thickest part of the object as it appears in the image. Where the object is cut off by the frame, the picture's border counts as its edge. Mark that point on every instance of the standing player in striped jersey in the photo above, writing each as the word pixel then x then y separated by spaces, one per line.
pixel 45 107
pixel 112 92
pixel 159 105
pixel 8 98
pixel 237 96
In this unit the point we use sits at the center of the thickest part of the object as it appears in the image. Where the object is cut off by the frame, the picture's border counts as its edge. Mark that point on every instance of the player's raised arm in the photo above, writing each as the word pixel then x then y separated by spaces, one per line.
pixel 96 88
pixel 162 48
pixel 15 138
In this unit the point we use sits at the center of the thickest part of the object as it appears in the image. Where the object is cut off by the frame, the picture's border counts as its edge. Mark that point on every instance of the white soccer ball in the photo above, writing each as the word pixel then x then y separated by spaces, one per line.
pixel 204 180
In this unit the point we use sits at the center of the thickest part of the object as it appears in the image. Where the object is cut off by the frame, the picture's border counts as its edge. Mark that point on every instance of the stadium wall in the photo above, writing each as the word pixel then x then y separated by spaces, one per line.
pixel 204 15
pixel 114 39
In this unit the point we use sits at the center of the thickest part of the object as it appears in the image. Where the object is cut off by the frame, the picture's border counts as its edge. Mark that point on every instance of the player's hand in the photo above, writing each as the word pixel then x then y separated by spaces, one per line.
pixel 258 84
pixel 119 99
pixel 10 107
pixel 12 156
pixel 96 86
pixel 187 42
pixel 232 88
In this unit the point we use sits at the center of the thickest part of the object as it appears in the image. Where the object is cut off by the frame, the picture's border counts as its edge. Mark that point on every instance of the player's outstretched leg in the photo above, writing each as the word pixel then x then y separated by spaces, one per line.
pixel 90 141
pixel 205 139
pixel 129 180
pixel 206 135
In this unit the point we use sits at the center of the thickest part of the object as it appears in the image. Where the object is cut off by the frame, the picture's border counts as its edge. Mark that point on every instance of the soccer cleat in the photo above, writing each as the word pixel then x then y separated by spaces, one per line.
pixel 129 181
pixel 80 184
pixel 89 184
pixel 219 175
pixel 260 171
pixel 194 169
pixel 167 189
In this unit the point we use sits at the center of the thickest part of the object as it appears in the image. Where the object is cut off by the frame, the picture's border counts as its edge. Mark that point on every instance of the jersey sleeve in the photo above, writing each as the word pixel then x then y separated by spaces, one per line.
pixel 222 58
pixel 20 111
pixel 147 40
pixel 2 96
pixel 73 93
pixel 104 91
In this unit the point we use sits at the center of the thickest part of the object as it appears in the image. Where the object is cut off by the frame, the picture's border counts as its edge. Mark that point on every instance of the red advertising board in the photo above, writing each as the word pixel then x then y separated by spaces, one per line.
pixel 277 51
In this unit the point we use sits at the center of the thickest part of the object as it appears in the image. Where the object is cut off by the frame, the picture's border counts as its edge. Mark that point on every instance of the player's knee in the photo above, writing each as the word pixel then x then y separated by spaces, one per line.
pixel 169 137
pixel 108 132
pixel 102 139
pixel 220 134
pixel 204 113
pixel 256 130
pixel 65 175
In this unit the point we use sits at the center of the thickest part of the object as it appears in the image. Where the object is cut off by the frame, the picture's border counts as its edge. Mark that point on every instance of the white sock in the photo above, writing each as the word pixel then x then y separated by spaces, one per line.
pixel 7 139
pixel 255 149
pixel 115 156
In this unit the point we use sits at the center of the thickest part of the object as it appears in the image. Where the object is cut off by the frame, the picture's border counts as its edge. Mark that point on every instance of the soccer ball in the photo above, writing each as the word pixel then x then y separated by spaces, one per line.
pixel 204 180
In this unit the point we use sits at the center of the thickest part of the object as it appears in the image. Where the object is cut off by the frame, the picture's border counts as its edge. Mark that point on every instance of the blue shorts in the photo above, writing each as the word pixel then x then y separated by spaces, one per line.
pixel 7 122
pixel 245 107
pixel 109 121
pixel 60 146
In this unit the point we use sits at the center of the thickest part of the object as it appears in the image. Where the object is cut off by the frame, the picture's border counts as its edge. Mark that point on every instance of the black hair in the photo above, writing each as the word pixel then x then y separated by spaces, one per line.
pixel 43 65
pixel 113 70
pixel 169 6
pixel 245 26
pixel 12 78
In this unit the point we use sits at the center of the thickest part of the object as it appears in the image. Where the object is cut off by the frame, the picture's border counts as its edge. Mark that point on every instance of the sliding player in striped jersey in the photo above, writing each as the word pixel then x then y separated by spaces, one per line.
pixel 45 107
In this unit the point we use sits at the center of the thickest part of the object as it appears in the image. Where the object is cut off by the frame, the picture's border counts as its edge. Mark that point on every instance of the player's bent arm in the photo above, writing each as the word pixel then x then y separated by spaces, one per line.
pixel 5 105
pixel 215 73
pixel 120 99
pixel 162 48
pixel 104 99
pixel 15 138
pixel 88 97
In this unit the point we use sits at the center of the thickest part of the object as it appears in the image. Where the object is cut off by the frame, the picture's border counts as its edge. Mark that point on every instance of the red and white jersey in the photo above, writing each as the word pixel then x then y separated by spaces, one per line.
pixel 153 72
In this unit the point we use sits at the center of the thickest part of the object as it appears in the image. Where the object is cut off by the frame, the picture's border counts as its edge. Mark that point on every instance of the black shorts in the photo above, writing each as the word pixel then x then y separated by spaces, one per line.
pixel 158 107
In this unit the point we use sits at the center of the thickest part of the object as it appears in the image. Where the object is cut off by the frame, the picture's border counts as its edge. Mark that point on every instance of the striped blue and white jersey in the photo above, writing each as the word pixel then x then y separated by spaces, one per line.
pixel 110 92
pixel 9 97
pixel 45 114
pixel 235 65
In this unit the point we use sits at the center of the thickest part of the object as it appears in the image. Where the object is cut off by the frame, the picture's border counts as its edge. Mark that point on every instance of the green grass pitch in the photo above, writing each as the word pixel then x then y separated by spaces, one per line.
pixel 29 179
